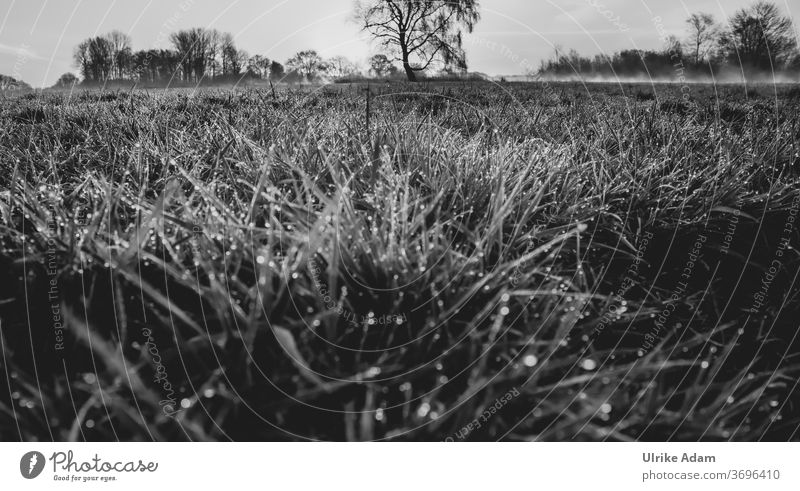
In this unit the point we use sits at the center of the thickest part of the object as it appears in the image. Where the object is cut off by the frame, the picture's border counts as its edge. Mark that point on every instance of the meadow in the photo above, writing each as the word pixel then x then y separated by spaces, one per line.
pixel 458 262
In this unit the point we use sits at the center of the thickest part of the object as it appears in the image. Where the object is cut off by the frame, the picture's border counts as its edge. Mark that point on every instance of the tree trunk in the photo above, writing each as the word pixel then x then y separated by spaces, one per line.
pixel 412 76
pixel 697 53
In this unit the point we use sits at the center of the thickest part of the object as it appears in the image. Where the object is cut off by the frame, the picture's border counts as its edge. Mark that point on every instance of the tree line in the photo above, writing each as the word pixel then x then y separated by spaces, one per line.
pixel 196 54
pixel 756 40
pixel 201 55
pixel 423 36
pixel 419 36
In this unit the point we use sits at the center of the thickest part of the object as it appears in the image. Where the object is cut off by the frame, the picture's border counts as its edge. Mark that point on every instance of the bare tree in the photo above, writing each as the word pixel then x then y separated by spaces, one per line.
pixel 673 46
pixel 381 66
pixel 340 66
pixel 190 44
pixel 213 48
pixel 308 64
pixel 759 37
pixel 155 65
pixel 239 61
pixel 259 65
pixel 82 59
pixel 66 81
pixel 228 53
pixel 101 58
pixel 703 36
pixel 419 33
pixel 120 46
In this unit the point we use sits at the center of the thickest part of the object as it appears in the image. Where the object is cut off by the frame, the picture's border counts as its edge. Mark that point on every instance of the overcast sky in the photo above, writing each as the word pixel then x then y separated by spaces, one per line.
pixel 37 36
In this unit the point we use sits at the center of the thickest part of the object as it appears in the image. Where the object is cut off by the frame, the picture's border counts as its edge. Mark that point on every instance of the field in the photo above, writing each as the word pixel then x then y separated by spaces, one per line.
pixel 433 262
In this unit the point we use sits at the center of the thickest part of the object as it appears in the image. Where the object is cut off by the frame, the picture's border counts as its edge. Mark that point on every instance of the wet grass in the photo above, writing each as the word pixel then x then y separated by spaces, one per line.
pixel 591 262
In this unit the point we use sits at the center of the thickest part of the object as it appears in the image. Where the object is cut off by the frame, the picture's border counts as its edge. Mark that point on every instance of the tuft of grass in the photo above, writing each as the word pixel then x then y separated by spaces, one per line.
pixel 255 266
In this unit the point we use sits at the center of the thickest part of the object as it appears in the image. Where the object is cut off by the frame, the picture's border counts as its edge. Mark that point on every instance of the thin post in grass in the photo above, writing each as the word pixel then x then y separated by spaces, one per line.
pixel 369 96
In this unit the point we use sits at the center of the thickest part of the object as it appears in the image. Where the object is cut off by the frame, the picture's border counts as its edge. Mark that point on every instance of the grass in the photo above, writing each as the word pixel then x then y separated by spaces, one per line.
pixel 516 262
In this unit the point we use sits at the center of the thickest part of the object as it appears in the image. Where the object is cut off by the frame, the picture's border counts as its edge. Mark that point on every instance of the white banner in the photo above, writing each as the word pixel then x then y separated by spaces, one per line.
pixel 399 466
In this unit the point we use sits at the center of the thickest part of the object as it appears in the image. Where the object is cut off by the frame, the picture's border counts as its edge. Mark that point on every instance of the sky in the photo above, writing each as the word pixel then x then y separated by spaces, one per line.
pixel 37 36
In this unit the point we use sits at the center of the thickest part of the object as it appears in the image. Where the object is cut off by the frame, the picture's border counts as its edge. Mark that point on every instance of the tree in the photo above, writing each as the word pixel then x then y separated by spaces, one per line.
pixel 340 66
pixel 119 45
pixel 229 55
pixel 240 62
pixel 12 84
pixel 83 61
pixel 419 33
pixel 259 66
pixel 213 48
pixel 155 65
pixel 308 64
pixel 101 53
pixel 197 49
pixel 66 81
pixel 276 71
pixel 673 46
pixel 381 66
pixel 759 38
pixel 104 57
pixel 703 36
